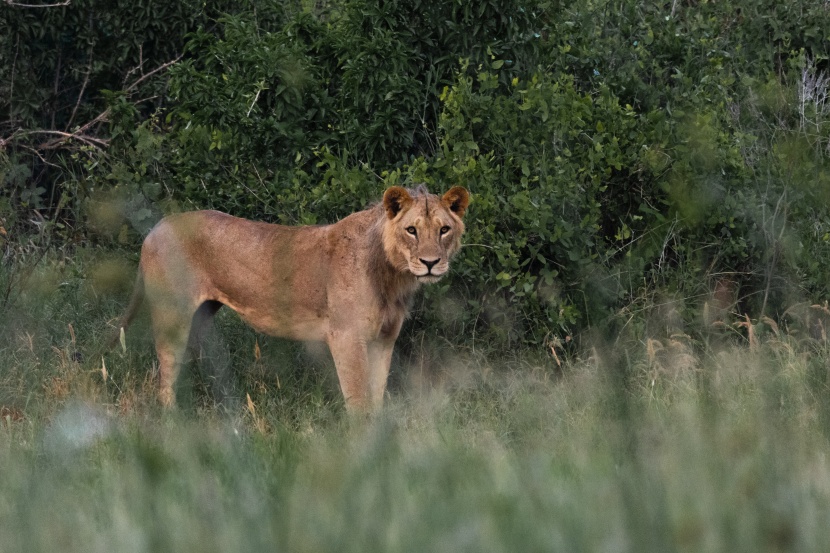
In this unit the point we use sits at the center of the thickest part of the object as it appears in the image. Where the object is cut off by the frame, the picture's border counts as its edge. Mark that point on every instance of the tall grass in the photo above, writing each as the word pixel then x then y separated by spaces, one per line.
pixel 665 443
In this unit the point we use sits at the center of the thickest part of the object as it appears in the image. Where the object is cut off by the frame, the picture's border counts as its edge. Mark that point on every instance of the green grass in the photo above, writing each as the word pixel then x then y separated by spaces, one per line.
pixel 662 445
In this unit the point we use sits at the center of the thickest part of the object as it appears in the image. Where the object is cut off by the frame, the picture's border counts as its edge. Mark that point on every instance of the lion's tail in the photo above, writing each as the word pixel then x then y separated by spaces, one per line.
pixel 132 309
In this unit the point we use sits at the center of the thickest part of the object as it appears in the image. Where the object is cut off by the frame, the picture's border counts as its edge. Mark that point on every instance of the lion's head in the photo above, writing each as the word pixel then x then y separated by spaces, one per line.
pixel 422 231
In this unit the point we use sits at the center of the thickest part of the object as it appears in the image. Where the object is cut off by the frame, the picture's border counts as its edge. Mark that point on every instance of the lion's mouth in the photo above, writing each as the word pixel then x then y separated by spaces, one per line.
pixel 429 278
pixel 427 273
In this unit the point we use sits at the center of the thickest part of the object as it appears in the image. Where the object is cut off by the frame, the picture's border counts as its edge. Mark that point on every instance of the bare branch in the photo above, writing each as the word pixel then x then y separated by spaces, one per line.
pixel 18 5
pixel 64 136
pixel 14 67
pixel 137 68
pixel 80 134
pixel 147 99
pixel 39 155
pixel 81 93
pixel 99 119
pixel 146 76
pixel 57 83
pixel 259 90
pixel 7 140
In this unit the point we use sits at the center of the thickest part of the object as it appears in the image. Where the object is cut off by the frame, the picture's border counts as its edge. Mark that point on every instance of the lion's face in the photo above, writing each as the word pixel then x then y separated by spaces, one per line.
pixel 423 231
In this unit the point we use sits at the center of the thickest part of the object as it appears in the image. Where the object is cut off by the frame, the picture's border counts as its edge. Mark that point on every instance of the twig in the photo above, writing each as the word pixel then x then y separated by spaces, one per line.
pixel 262 182
pixel 139 67
pixel 147 99
pixel 17 5
pixel 99 119
pixel 4 141
pixel 57 83
pixel 153 72
pixel 39 155
pixel 77 134
pixel 81 93
pixel 246 187
pixel 254 102
pixel 14 66
pixel 91 140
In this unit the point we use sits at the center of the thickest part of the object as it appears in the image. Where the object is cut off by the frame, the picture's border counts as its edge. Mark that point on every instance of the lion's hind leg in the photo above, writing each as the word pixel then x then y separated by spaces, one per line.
pixel 208 346
pixel 201 323
pixel 171 329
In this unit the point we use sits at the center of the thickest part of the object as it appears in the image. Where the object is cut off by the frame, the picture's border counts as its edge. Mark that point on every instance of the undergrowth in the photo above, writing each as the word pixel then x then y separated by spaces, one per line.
pixel 661 437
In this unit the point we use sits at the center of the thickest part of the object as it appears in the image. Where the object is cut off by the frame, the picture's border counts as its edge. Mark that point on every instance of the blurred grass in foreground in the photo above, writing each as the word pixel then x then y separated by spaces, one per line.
pixel 733 458
pixel 652 445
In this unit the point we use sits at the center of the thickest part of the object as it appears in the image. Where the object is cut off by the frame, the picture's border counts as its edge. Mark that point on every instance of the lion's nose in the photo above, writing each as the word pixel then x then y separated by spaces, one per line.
pixel 430 263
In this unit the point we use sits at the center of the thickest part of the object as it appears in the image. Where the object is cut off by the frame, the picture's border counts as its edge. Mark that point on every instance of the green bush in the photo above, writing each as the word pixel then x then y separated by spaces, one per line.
pixel 545 163
pixel 611 148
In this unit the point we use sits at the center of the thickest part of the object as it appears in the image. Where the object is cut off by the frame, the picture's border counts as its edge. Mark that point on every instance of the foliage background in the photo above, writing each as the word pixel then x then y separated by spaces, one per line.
pixel 617 153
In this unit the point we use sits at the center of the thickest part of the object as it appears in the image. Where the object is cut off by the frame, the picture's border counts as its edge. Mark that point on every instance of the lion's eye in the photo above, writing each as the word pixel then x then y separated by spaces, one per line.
pixel 411 230
pixel 444 230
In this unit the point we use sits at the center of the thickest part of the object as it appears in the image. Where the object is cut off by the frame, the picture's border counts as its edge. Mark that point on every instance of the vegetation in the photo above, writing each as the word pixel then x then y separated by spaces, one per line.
pixel 664 446
pixel 609 147
pixel 631 353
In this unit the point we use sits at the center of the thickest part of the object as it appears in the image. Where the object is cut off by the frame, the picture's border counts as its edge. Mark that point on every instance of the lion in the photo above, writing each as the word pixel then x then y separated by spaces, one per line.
pixel 348 284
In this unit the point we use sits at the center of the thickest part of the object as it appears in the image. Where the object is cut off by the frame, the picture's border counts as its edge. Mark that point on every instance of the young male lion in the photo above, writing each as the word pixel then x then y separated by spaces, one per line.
pixel 348 284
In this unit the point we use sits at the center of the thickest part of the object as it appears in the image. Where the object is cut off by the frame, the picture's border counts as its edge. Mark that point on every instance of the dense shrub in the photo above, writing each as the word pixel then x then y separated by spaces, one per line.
pixel 554 172
pixel 58 64
pixel 610 147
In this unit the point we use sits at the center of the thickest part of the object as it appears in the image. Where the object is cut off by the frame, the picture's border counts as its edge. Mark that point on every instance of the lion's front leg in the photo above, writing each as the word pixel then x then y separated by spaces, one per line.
pixel 351 360
pixel 380 359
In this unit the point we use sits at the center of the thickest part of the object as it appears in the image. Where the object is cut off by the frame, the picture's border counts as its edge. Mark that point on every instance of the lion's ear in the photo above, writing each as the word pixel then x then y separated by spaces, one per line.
pixel 457 199
pixel 395 199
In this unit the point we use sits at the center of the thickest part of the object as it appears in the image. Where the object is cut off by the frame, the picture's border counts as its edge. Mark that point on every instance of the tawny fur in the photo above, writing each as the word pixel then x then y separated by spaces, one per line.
pixel 348 284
